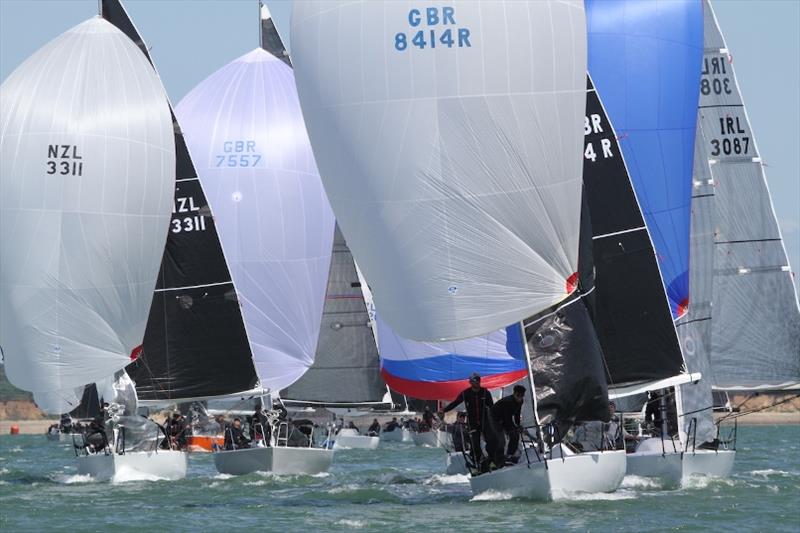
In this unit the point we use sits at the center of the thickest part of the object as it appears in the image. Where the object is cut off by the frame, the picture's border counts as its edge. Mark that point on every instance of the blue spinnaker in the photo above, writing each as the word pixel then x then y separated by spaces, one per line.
pixel 645 59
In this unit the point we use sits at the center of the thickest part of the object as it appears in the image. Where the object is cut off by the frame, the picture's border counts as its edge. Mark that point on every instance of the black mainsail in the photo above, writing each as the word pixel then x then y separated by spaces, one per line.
pixel 195 345
pixel 630 308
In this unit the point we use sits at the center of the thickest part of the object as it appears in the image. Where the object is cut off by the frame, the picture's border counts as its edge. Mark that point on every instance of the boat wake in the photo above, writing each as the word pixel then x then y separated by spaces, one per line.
pixel 492 496
pixel 444 479
pixel 357 524
pixel 125 475
pixel 640 482
pixel 75 478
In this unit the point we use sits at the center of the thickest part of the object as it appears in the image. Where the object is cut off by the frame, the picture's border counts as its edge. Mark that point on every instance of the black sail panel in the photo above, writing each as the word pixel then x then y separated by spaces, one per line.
pixel 346 369
pixel 270 39
pixel 566 357
pixel 630 310
pixel 90 404
pixel 195 344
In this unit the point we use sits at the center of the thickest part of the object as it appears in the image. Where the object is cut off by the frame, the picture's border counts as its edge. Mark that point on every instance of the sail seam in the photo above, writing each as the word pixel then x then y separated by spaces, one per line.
pixel 195 286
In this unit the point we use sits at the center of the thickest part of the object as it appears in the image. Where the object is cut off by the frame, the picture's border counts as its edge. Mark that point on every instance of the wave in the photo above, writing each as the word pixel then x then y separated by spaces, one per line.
pixel 640 482
pixel 358 524
pixel 75 478
pixel 125 474
pixel 492 496
pixel 444 479
pixel 596 496
pixel 769 472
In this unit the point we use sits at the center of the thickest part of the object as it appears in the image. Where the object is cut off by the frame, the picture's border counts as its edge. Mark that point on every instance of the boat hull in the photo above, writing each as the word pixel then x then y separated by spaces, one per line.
pixel 351 439
pixel 673 467
pixel 164 464
pixel 559 478
pixel 398 435
pixel 456 464
pixel 280 460
pixel 432 439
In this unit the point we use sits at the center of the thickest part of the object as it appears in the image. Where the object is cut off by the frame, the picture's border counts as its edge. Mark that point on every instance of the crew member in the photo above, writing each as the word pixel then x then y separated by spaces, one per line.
pixel 477 402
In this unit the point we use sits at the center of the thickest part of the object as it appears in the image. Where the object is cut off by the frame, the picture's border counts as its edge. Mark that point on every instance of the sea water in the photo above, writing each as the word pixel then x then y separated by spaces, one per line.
pixel 398 487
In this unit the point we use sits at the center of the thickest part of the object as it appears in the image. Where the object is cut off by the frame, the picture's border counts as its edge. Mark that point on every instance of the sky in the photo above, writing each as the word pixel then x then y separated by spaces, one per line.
pixel 190 39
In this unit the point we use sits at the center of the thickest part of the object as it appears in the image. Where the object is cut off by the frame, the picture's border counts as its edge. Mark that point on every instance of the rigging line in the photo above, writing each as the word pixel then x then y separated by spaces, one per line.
pixel 736 408
pixel 696 411
pixel 785 400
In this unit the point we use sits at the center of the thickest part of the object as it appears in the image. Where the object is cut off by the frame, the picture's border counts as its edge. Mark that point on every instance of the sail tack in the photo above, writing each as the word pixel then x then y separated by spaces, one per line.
pixel 463 216
pixel 245 130
pixel 644 59
pixel 87 172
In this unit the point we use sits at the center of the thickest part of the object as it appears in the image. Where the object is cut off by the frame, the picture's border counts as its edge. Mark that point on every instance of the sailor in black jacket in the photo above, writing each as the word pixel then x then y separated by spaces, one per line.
pixel 506 415
pixel 477 402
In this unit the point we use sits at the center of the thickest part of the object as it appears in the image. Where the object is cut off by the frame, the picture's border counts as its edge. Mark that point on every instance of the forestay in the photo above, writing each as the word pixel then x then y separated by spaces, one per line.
pixel 449 141
pixel 245 130
pixel 644 59
pixel 87 171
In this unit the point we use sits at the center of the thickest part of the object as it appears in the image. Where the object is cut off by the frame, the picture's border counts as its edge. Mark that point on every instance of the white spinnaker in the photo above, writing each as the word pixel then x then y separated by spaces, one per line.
pixel 245 130
pixel 80 248
pixel 454 171
pixel 57 402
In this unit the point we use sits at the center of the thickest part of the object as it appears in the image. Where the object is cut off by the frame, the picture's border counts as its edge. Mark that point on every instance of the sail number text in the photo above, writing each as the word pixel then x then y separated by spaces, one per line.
pixel 719 82
pixel 592 124
pixel 186 216
pixel 439 30
pixel 732 141
pixel 238 154
pixel 64 160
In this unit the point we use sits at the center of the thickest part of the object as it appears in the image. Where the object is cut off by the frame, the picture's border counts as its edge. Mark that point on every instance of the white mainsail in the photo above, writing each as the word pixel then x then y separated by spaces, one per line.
pixel 449 142
pixel 87 171
pixel 743 326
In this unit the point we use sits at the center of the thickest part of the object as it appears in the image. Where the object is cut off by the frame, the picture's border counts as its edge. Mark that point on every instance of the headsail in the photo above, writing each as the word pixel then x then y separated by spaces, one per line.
pixel 195 344
pixel 85 197
pixel 630 308
pixel 463 217
pixel 644 59
pixel 752 321
pixel 246 131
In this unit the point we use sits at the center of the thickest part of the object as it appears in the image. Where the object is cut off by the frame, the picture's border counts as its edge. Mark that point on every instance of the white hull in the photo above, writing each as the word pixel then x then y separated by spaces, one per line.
pixel 163 464
pixel 673 469
pixel 407 435
pixel 561 478
pixel 432 439
pixel 355 441
pixel 456 464
pixel 398 435
pixel 666 462
pixel 283 460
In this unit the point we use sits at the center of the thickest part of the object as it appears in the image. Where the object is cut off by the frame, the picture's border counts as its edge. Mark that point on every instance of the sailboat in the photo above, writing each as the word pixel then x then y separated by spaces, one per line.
pixel 738 264
pixel 244 128
pixel 660 177
pixel 88 173
pixel 450 148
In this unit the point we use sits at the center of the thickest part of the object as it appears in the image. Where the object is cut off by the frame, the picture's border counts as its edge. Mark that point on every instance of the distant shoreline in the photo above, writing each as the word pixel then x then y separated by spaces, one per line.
pixel 34 427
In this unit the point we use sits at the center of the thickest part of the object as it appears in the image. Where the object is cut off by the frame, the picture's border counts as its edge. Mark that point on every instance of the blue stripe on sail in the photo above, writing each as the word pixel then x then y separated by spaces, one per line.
pixel 645 59
pixel 449 367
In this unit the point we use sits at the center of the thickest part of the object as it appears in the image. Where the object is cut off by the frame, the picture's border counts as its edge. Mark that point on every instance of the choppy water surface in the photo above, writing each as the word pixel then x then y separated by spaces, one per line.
pixel 397 487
